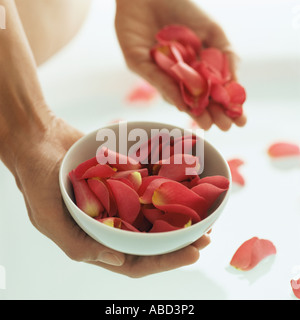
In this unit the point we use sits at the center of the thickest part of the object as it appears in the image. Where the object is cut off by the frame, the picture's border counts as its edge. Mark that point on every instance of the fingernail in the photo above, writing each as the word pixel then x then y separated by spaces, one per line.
pixel 110 258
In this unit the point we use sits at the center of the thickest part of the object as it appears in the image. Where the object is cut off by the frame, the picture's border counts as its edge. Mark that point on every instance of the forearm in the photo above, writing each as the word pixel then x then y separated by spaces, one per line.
pixel 22 109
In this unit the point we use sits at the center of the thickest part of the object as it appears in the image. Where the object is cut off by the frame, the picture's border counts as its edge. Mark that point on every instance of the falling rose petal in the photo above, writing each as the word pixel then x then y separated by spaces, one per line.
pixel 179 167
pixel 119 161
pixel 283 149
pixel 127 200
pixel 234 165
pixel 85 198
pixel 83 167
pixel 99 171
pixel 209 192
pixel 142 92
pixel 99 188
pixel 251 253
pixel 174 193
pixel 181 34
pixel 295 284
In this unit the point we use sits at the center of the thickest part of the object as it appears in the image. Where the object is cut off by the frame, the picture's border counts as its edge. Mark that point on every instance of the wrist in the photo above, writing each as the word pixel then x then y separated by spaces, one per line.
pixel 22 133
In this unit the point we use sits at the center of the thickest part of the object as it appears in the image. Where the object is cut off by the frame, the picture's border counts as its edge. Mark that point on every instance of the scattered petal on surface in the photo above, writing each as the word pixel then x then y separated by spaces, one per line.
pixel 234 165
pixel 295 284
pixel 283 149
pixel 142 92
pixel 251 253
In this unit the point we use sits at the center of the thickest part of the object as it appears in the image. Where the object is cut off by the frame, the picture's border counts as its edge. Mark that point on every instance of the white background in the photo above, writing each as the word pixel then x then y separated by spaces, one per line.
pixel 86 84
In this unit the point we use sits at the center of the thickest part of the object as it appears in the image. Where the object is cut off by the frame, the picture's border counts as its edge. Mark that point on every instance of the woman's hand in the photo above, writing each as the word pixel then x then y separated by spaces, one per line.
pixel 137 23
pixel 36 168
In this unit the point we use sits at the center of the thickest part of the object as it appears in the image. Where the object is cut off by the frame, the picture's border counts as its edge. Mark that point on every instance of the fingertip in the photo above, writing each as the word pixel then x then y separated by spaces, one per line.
pixel 220 119
pixel 205 121
pixel 241 121
pixel 202 243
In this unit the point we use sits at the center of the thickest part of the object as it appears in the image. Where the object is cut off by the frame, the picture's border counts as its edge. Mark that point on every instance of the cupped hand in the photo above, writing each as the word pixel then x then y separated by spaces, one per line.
pixel 137 23
pixel 36 169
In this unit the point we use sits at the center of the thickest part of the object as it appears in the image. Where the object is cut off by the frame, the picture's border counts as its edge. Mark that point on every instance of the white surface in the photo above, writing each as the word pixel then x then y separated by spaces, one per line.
pixel 86 84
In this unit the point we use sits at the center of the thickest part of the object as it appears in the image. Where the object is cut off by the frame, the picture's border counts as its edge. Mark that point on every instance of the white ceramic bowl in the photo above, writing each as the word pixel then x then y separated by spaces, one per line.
pixel 132 242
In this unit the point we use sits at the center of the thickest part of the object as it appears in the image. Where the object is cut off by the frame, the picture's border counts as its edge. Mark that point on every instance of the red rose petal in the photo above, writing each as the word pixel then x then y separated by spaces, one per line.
pixel 162 226
pixel 151 213
pixel 283 149
pixel 83 167
pixel 184 210
pixel 295 284
pixel 179 167
pixel 209 192
pixel 100 190
pixel 142 92
pixel 234 165
pixel 218 181
pixel 85 198
pixel 118 223
pixel 180 34
pixel 119 161
pixel 127 200
pixel 191 79
pixel 99 171
pixel 146 197
pixel 174 193
pixel 251 253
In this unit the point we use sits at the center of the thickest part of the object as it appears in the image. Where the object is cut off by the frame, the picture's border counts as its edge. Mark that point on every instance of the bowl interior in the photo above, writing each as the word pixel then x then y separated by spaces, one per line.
pixel 84 149
pixel 213 164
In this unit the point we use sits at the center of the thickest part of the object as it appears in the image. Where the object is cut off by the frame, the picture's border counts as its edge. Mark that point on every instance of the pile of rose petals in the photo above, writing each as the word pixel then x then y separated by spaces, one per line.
pixel 141 196
pixel 203 74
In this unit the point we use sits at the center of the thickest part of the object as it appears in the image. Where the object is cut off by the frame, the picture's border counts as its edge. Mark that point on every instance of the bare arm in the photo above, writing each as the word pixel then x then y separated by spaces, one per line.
pixel 33 143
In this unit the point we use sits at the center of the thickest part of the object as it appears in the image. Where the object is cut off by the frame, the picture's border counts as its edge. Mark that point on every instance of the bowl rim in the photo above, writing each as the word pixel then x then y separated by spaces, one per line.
pixel 128 232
